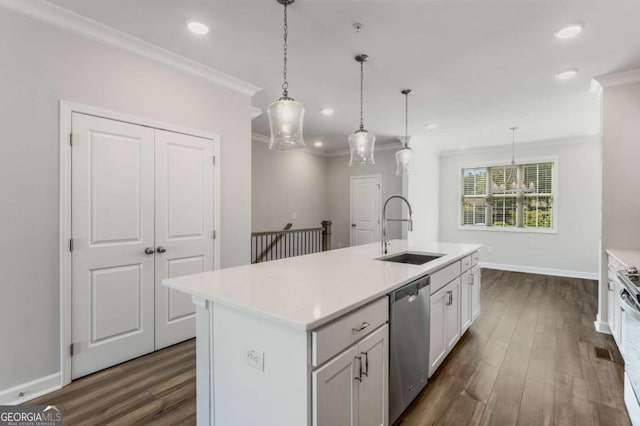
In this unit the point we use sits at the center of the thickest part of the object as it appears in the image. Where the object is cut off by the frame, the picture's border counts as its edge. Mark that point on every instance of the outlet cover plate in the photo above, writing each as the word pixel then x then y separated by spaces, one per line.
pixel 254 358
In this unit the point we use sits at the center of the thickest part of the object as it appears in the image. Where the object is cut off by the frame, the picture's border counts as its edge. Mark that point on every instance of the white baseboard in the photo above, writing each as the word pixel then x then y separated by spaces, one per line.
pixel 602 327
pixel 30 390
pixel 542 271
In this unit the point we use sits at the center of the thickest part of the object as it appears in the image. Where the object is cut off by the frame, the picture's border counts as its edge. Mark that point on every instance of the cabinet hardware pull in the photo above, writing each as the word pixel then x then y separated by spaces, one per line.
pixel 366 364
pixel 362 327
pixel 609 282
pixel 359 377
pixel 471 279
pixel 450 302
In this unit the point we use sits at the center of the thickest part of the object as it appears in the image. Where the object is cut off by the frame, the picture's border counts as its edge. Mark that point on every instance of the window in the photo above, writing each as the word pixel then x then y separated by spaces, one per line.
pixel 491 197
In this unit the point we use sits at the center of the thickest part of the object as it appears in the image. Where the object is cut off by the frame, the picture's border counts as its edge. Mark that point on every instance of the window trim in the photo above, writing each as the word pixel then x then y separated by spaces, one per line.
pixel 494 163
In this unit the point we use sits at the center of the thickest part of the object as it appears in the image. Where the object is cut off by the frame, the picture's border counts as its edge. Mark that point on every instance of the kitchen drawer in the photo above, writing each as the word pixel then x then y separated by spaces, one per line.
pixel 444 276
pixel 465 264
pixel 475 258
pixel 332 338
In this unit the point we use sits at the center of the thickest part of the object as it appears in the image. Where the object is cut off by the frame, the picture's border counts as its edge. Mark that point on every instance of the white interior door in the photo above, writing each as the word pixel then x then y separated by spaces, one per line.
pixel 365 209
pixel 184 227
pixel 112 224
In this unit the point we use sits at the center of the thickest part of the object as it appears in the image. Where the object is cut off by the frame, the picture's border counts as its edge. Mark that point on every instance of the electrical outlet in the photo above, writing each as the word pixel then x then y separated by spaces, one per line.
pixel 254 358
pixel 489 249
pixel 294 216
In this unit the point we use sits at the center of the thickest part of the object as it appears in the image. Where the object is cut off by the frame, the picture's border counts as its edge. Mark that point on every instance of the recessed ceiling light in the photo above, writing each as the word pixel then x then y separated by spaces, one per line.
pixel 567 74
pixel 317 144
pixel 327 112
pixel 197 27
pixel 569 31
pixel 430 126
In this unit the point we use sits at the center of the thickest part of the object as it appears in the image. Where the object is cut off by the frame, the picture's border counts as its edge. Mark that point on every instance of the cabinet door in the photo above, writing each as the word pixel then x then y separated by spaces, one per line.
pixel 437 321
pixel 476 279
pixel 334 391
pixel 466 285
pixel 615 332
pixel 373 400
pixel 452 327
pixel 620 313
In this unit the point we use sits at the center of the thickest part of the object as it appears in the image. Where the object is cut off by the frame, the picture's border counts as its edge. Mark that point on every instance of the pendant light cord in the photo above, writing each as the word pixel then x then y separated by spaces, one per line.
pixel 406 119
pixel 285 84
pixel 361 95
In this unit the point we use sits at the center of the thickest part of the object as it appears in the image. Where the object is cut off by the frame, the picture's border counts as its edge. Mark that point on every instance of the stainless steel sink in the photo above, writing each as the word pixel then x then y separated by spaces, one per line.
pixel 412 258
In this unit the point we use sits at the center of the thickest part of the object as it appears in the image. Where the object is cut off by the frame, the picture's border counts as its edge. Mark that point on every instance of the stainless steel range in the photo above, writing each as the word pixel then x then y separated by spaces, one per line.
pixel 630 304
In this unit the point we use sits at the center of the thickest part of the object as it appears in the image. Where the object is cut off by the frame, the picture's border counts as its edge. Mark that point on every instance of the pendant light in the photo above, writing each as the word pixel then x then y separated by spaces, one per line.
pixel 515 183
pixel 361 142
pixel 404 155
pixel 286 115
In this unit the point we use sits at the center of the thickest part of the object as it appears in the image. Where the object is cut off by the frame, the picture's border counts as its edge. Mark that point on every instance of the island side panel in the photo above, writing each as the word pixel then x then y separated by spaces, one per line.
pixel 204 361
pixel 245 395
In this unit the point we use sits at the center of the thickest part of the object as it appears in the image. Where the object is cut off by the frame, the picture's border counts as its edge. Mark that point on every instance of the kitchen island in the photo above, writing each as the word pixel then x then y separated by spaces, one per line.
pixel 304 340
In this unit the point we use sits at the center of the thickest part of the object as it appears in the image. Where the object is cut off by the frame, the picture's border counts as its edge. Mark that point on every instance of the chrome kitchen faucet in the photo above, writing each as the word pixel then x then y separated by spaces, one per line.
pixel 385 237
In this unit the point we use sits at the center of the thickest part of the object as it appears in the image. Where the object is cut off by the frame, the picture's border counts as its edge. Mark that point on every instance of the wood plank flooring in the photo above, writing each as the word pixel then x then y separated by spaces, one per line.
pixel 528 360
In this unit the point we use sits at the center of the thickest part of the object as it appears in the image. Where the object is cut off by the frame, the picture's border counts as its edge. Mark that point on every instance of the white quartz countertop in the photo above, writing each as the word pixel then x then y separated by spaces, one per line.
pixel 306 292
pixel 626 257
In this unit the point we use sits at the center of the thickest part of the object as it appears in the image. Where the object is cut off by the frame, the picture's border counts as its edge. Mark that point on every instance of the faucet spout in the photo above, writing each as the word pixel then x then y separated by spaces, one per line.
pixel 385 236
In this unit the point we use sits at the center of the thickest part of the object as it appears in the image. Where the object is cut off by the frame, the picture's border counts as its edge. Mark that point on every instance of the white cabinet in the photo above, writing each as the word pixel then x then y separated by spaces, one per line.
pixel 466 287
pixel 476 280
pixel 351 389
pixel 444 323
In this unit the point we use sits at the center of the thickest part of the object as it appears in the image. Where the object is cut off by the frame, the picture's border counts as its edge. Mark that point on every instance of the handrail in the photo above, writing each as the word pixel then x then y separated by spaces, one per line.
pixel 273 245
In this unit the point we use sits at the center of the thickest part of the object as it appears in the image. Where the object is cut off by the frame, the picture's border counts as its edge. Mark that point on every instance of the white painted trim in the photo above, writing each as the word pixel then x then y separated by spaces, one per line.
pixel 541 271
pixel 31 390
pixel 619 79
pixel 266 139
pixel 67 20
pixel 330 153
pixel 66 110
pixel 351 178
pixel 590 138
pixel 384 147
pixel 601 326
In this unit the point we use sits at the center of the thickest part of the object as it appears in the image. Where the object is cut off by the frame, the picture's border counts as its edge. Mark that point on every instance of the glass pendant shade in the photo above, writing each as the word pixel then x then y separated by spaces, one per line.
pixel 403 158
pixel 361 145
pixel 285 120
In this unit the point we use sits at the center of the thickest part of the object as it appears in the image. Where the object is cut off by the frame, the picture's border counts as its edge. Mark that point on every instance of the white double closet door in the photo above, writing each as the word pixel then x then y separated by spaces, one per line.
pixel 142 211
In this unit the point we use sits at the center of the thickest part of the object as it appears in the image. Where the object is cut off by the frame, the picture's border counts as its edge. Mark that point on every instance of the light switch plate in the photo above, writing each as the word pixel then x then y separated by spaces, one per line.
pixel 254 358
pixel 294 216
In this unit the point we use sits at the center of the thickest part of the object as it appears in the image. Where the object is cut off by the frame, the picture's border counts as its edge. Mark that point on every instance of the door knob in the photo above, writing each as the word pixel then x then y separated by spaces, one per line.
pixel 149 250
pixel 353 225
pixel 161 249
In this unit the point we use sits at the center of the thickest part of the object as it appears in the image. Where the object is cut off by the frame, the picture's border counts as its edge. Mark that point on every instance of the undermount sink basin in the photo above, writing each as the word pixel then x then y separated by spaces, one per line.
pixel 411 258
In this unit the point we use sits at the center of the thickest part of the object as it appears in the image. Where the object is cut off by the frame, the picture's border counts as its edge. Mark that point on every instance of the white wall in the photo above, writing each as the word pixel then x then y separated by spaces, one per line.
pixel 286 182
pixel 339 192
pixel 423 188
pixel 42 65
pixel 573 250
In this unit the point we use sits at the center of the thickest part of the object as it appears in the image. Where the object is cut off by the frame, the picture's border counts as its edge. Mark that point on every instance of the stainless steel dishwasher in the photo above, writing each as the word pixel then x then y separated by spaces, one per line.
pixel 409 345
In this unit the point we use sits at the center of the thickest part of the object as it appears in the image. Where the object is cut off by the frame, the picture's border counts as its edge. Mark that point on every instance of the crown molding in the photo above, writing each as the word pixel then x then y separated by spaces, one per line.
pixel 257 137
pixel 591 138
pixel 255 112
pixel 385 147
pixel 67 20
pixel 619 79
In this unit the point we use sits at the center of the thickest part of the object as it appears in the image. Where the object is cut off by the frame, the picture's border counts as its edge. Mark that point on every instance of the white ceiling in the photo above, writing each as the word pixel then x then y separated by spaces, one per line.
pixel 477 67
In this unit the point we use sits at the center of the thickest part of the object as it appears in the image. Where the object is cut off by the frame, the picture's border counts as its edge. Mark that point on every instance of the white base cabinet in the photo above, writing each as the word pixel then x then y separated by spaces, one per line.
pixel 454 308
pixel 351 389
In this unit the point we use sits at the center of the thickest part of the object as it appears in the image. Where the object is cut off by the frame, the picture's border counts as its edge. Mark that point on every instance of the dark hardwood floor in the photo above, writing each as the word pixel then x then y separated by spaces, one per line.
pixel 528 360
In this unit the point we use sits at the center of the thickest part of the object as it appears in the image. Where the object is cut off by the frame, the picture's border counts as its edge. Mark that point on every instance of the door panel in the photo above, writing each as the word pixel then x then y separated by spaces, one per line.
pixel 184 227
pixel 373 405
pixel 334 392
pixel 466 287
pixel 475 292
pixel 112 223
pixel 365 210
pixel 453 314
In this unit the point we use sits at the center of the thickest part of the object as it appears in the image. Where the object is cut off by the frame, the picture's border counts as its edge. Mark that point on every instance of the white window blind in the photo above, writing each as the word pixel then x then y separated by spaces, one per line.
pixel 491 196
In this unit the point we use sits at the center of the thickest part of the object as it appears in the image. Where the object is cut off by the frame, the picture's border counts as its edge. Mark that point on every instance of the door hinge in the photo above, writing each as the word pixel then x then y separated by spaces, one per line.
pixel 71 349
pixel 214 160
pixel 71 244
pixel 71 139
